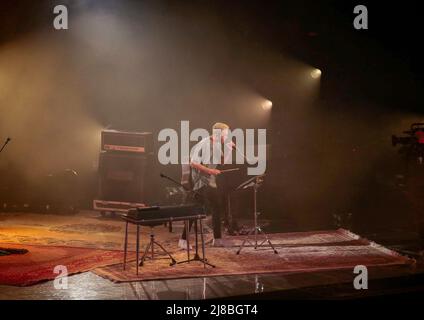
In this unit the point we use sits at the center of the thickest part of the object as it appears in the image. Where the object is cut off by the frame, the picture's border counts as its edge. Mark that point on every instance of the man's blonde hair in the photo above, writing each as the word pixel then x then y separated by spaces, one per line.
pixel 220 126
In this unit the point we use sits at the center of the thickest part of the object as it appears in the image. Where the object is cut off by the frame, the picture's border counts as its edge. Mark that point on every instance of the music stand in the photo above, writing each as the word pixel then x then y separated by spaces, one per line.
pixel 255 183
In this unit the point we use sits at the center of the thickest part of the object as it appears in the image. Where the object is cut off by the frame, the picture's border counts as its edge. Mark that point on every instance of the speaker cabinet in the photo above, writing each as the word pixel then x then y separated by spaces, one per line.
pixel 122 176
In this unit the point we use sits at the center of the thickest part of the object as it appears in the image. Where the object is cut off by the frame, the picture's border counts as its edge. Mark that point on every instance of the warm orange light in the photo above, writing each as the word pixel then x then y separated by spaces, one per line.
pixel 316 73
pixel 267 105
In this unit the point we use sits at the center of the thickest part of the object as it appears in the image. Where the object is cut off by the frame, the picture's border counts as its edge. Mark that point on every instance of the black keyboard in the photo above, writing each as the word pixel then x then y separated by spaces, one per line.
pixel 165 212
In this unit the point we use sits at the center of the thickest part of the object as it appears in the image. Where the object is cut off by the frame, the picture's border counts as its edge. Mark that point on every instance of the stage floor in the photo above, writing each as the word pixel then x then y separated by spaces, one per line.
pixel 78 231
pixel 316 285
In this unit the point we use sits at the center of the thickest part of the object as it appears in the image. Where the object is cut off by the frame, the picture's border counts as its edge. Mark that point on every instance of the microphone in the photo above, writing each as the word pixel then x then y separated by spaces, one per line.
pixel 5 143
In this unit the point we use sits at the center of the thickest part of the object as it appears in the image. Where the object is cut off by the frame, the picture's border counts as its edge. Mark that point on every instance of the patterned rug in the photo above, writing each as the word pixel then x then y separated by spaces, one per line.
pixel 39 262
pixel 76 241
pixel 84 230
pixel 297 252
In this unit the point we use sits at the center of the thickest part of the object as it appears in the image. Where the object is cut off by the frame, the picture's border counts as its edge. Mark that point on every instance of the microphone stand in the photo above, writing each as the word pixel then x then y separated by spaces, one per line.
pixel 179 184
pixel 187 228
pixel 4 144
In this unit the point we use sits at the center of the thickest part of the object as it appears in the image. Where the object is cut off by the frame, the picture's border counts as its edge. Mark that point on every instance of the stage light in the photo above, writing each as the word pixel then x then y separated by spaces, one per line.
pixel 267 105
pixel 316 73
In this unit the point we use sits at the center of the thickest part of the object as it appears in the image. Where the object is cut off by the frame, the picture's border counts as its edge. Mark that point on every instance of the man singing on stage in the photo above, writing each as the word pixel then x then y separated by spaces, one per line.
pixel 204 174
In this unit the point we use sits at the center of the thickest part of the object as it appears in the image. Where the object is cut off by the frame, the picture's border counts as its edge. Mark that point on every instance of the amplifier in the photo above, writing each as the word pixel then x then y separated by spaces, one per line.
pixel 122 176
pixel 121 141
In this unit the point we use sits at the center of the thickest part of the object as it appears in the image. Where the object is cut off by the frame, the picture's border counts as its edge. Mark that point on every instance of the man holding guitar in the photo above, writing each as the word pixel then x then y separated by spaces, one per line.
pixel 204 172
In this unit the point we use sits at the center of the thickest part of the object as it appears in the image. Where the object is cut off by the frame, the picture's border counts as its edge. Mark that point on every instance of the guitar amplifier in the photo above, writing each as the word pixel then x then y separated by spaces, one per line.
pixel 122 176
pixel 131 142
